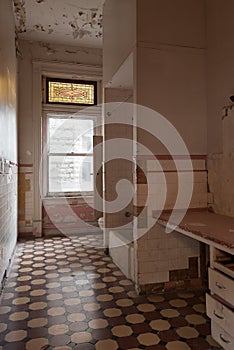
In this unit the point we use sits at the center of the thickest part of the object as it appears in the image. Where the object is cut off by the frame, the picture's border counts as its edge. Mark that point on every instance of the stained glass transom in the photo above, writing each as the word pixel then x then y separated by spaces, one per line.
pixel 82 93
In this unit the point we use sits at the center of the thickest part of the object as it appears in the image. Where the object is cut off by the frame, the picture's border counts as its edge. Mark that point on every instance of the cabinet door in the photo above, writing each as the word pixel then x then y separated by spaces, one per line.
pixel 222 286
pixel 220 314
pixel 222 337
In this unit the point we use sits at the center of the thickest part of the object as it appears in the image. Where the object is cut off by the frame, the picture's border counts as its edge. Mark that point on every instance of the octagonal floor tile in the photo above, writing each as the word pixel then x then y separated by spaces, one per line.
pixel 148 339
pixel 195 319
pixel 177 345
pixel 160 325
pixel 187 332
pixel 135 318
pixel 107 344
pixel 122 331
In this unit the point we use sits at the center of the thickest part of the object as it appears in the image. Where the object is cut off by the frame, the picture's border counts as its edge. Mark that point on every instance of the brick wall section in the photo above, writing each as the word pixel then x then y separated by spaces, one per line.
pixel 68 215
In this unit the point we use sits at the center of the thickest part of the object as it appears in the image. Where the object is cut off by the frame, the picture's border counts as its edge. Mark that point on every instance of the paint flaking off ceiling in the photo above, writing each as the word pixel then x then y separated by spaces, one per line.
pixel 72 22
pixel 20 15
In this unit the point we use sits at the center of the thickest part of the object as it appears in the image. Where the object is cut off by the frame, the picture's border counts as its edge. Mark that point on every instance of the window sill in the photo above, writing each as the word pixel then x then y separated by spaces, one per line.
pixel 68 196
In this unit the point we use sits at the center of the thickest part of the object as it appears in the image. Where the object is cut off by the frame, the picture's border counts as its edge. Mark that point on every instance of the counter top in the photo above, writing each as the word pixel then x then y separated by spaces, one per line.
pixel 205 226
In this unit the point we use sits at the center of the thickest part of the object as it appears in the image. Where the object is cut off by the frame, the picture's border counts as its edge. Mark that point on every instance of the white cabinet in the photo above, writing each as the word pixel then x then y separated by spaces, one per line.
pixel 222 337
pixel 219 313
pixel 222 286
pixel 220 301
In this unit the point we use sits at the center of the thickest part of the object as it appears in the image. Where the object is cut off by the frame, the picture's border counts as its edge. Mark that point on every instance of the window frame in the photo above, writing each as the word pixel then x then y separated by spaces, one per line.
pixel 74 81
pixel 46 153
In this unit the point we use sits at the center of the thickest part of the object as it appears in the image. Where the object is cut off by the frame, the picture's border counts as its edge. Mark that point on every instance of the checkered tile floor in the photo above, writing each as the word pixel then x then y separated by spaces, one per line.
pixel 65 293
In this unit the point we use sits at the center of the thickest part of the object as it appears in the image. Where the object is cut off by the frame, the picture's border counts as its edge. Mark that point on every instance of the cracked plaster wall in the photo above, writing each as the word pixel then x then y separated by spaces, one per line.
pixel 20 15
pixel 220 83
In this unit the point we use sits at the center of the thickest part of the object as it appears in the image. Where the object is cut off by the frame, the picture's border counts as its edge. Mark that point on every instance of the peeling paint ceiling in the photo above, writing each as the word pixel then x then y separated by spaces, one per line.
pixel 71 22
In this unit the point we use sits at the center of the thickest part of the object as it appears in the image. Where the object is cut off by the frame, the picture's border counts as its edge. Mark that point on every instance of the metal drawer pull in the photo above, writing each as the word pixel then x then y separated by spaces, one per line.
pixel 218 316
pixel 224 340
pixel 220 286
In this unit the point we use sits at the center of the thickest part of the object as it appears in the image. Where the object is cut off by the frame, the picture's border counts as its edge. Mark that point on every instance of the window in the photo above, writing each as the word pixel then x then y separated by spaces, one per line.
pixel 73 92
pixel 69 154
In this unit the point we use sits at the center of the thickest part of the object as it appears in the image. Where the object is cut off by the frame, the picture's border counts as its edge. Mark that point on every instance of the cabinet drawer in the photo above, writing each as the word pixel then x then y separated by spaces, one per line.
pixel 220 314
pixel 221 285
pixel 222 337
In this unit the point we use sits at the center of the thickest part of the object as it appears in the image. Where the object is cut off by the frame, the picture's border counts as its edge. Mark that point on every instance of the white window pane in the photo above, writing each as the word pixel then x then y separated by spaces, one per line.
pixel 70 135
pixel 70 174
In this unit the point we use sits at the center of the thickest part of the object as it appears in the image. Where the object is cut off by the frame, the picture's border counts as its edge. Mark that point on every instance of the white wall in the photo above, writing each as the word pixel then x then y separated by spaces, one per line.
pixel 220 82
pixel 8 73
pixel 220 68
pixel 171 66
pixel 8 141
pixel 119 35
pixel 117 169
pixel 178 22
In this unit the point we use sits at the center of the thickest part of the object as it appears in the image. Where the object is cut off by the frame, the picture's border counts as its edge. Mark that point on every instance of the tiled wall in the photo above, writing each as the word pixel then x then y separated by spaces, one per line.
pixel 25 199
pixel 8 215
pixel 157 185
pixel 162 257
pixel 154 180
pixel 8 137
pixel 159 254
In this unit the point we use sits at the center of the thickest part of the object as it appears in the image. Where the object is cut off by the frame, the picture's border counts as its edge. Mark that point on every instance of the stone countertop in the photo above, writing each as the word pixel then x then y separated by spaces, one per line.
pixel 204 224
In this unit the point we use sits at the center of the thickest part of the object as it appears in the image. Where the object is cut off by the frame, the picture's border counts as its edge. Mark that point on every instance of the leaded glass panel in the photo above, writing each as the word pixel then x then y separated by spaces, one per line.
pixel 71 92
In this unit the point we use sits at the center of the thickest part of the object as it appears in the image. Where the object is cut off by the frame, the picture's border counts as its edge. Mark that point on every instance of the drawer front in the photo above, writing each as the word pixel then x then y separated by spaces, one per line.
pixel 220 314
pixel 222 337
pixel 221 285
